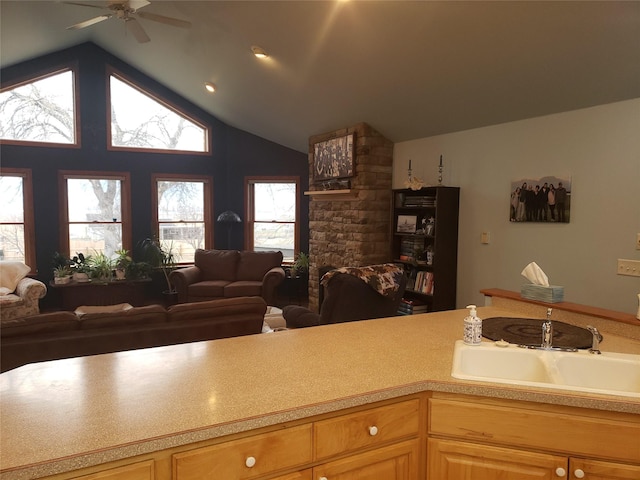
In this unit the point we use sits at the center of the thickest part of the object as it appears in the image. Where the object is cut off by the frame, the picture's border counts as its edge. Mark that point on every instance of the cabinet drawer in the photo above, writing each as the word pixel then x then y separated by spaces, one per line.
pixel 247 457
pixel 551 429
pixel 367 428
pixel 136 471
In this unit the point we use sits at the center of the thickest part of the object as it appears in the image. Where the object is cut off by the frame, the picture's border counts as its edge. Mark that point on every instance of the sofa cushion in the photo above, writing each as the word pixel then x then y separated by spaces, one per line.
pixel 133 316
pixel 254 265
pixel 39 324
pixel 219 310
pixel 243 288
pixel 217 264
pixel 10 274
pixel 211 288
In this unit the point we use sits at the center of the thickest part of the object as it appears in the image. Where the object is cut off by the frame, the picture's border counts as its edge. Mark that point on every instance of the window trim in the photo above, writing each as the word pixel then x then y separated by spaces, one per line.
pixel 112 71
pixel 250 204
pixel 208 202
pixel 40 75
pixel 28 216
pixel 125 203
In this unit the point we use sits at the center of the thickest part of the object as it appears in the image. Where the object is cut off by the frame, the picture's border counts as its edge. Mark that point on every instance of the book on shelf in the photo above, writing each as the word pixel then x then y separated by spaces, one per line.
pixel 409 247
pixel 412 306
pixel 424 282
pixel 420 201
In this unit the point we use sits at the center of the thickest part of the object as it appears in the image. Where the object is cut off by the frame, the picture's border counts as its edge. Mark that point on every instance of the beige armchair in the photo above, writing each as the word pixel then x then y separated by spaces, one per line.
pixel 24 301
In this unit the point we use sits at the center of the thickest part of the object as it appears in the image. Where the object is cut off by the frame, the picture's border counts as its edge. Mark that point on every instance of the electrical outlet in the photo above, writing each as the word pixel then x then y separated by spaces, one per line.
pixel 638 241
pixel 629 267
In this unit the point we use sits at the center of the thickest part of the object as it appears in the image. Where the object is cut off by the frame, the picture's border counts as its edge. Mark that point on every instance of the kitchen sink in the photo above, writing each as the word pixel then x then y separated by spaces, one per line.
pixel 608 373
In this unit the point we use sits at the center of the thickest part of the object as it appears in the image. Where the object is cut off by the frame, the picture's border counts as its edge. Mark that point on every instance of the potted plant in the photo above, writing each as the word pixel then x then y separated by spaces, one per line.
pixel 161 257
pixel 138 270
pixel 300 264
pixel 61 274
pixel 101 267
pixel 80 266
pixel 122 263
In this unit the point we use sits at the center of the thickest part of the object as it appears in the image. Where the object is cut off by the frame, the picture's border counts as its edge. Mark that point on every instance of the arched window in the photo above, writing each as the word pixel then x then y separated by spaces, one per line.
pixel 138 120
pixel 40 110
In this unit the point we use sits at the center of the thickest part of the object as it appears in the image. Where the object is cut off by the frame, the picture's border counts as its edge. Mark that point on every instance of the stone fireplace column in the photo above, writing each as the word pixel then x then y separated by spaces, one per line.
pixel 351 228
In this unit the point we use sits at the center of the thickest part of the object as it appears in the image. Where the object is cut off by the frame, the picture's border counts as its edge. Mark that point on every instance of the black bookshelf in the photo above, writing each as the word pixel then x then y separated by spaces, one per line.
pixel 425 242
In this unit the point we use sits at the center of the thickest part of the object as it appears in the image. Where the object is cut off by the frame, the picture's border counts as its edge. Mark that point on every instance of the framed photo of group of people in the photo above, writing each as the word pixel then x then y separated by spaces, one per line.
pixel 333 158
pixel 544 199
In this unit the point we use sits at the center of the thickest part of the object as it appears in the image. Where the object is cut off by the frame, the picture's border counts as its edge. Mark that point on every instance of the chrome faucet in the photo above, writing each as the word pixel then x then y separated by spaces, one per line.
pixel 547 331
pixel 595 342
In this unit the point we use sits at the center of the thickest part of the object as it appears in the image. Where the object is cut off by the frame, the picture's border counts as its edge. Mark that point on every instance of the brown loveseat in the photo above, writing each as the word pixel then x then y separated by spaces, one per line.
pixel 51 336
pixel 229 273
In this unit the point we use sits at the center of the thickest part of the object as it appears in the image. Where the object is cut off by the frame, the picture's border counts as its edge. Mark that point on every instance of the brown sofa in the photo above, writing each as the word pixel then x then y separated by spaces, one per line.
pixel 51 336
pixel 229 273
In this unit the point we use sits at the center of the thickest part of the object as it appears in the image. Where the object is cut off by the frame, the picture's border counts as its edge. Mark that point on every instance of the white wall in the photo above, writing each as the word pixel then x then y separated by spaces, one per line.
pixel 598 147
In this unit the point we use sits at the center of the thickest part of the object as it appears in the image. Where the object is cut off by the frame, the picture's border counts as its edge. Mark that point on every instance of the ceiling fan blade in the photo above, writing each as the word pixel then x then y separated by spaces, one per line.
pixel 89 22
pixel 162 19
pixel 136 30
pixel 80 4
pixel 138 4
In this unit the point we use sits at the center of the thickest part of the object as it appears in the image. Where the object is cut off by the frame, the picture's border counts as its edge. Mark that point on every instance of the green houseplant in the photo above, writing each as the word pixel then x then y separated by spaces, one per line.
pixel 81 267
pixel 101 267
pixel 300 264
pixel 61 274
pixel 161 257
pixel 122 263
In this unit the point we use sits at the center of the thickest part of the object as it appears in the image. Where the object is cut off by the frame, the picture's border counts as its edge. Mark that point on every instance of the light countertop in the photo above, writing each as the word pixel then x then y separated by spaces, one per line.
pixel 67 414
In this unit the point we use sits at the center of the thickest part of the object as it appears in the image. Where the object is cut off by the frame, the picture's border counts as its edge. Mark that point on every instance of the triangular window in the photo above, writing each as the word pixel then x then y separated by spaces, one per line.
pixel 140 121
pixel 40 110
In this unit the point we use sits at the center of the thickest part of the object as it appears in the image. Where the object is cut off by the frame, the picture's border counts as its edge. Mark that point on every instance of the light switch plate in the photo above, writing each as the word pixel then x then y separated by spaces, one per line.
pixel 629 267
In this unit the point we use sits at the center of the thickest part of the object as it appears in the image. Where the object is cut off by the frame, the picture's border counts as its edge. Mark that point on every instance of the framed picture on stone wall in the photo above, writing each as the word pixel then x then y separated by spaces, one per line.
pixel 544 199
pixel 333 158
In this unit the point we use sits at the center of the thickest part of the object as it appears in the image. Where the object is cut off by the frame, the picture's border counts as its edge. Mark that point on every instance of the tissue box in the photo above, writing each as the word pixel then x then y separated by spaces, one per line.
pixel 550 294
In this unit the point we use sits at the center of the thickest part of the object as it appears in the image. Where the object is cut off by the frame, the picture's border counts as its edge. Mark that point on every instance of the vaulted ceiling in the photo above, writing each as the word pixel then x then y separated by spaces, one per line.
pixel 410 69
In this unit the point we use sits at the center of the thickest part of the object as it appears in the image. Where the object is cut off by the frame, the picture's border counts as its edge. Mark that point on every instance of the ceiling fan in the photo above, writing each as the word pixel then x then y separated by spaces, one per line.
pixel 127 11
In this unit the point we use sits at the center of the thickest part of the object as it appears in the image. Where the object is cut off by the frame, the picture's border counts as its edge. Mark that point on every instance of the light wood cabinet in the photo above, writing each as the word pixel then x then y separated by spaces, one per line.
pixel 394 462
pixel 302 475
pixel 135 471
pixel 471 437
pixel 598 470
pixel 379 442
pixel 371 427
pixel 451 459
pixel 247 458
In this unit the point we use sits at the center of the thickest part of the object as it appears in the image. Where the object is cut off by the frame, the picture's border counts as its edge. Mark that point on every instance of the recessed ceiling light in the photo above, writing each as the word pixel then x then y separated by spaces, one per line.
pixel 211 88
pixel 259 52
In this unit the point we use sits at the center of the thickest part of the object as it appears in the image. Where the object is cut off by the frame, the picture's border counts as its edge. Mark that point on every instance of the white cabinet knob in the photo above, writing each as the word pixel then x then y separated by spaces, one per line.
pixel 323 478
pixel 578 473
pixel 561 472
pixel 250 462
pixel 373 431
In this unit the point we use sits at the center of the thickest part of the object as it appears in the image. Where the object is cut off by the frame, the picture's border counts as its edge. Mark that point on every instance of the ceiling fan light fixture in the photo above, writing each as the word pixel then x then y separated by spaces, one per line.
pixel 259 52
pixel 210 87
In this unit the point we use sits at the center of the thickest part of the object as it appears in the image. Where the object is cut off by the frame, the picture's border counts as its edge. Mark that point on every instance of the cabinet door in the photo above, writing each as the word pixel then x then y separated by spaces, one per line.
pixel 395 462
pixel 596 470
pixel 136 471
pixel 453 460
pixel 302 475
